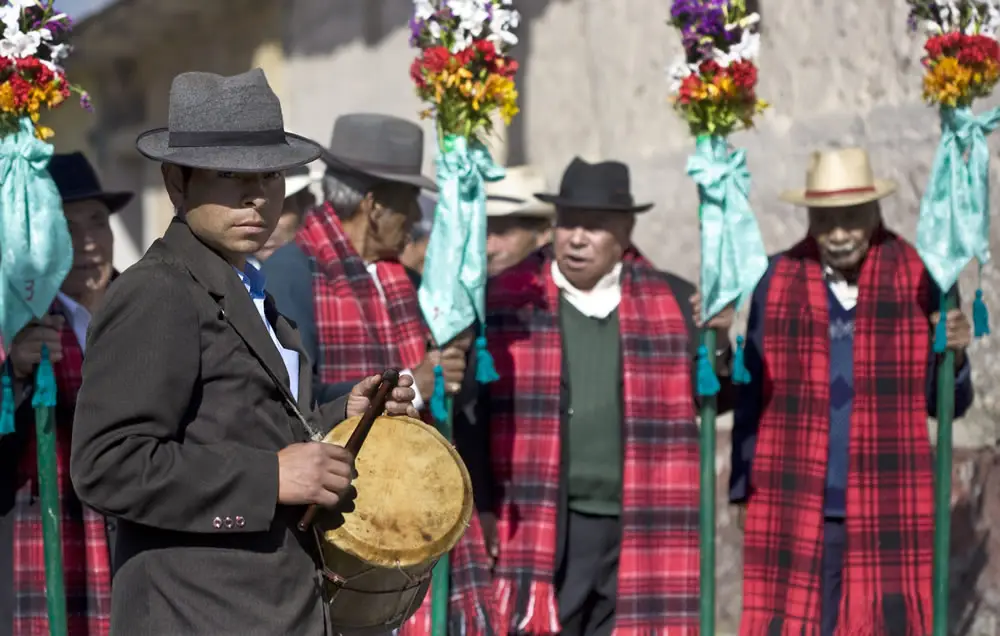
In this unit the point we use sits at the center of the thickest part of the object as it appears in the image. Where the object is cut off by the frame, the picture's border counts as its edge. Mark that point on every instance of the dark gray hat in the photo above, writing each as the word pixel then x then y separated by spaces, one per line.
pixel 597 186
pixel 226 123
pixel 380 146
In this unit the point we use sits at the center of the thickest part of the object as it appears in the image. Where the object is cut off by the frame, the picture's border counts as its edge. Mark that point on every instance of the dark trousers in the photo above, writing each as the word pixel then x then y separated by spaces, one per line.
pixel 587 578
pixel 834 540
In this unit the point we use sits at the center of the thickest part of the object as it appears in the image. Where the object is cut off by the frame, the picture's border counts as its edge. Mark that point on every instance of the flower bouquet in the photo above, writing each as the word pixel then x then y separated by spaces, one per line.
pixel 714 90
pixel 465 75
pixel 961 64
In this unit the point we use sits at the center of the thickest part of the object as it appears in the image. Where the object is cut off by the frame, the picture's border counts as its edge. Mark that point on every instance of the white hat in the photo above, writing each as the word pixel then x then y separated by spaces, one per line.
pixel 839 178
pixel 514 195
pixel 297 180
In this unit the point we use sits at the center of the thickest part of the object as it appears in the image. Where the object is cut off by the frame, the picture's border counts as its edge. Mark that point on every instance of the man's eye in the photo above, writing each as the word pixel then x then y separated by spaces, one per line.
pixel 272 175
pixel 227 175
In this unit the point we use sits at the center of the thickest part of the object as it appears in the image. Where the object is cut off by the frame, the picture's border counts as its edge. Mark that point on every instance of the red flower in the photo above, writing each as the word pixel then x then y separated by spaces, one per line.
pixel 744 74
pixel 435 59
pixel 709 68
pixel 465 56
pixel 417 73
pixel 688 85
pixel 21 89
pixel 504 66
pixel 486 50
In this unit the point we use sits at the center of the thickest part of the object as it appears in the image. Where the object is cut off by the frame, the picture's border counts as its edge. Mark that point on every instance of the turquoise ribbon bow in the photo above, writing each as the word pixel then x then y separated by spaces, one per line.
pixel 37 252
pixel 733 257
pixel 453 289
pixel 954 225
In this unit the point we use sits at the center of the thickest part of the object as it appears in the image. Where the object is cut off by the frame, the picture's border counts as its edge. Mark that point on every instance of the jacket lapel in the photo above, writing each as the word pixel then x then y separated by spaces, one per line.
pixel 222 282
pixel 289 338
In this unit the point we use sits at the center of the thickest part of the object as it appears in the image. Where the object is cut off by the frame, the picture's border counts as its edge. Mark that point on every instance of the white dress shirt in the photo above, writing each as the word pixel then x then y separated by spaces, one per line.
pixel 253 281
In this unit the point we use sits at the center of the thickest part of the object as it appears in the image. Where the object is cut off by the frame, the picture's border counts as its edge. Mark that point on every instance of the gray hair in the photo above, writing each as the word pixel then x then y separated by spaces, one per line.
pixel 345 191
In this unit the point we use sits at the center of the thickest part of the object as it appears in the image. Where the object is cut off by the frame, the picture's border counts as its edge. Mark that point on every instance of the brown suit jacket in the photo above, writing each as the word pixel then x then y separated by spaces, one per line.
pixel 177 429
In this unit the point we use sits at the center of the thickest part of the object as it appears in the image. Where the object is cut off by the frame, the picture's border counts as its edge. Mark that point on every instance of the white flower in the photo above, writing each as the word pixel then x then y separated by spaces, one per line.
pixel 678 72
pixel 472 15
pixel 20 45
pixel 746 49
pixel 423 9
pixel 500 27
pixel 435 28
pixel 11 18
pixel 60 51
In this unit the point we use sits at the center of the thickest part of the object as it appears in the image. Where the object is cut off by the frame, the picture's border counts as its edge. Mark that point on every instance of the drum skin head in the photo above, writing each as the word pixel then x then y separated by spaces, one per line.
pixel 414 494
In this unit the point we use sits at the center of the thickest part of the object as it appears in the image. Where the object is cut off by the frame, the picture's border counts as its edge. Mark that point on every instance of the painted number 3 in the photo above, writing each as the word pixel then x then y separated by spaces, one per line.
pixel 29 290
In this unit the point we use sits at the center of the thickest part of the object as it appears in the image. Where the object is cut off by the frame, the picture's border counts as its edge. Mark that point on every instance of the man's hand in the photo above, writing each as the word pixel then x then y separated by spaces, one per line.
pixel 959 333
pixel 721 322
pixel 488 521
pixel 314 473
pixel 26 349
pixel 400 401
pixel 452 361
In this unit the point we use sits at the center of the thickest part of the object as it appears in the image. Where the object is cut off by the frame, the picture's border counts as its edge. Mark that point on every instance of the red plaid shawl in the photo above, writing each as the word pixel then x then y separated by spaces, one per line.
pixel 658 584
pixel 890 503
pixel 86 563
pixel 359 335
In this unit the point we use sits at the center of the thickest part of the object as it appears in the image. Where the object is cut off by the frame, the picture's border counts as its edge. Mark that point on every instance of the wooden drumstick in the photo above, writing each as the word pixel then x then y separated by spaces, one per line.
pixel 377 399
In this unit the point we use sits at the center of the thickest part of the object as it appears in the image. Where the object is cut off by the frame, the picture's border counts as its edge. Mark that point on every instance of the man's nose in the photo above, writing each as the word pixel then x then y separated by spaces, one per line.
pixel 254 192
pixel 839 235
pixel 578 237
pixel 492 244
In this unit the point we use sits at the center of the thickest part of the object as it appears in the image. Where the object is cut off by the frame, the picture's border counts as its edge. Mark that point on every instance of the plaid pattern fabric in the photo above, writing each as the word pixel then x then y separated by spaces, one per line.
pixel 360 335
pixel 658 578
pixel 890 503
pixel 86 561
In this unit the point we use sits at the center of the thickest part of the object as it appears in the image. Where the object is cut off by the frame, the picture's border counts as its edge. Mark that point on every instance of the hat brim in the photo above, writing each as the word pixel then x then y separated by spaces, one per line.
pixel 498 208
pixel 296 151
pixel 114 200
pixel 337 163
pixel 883 188
pixel 561 202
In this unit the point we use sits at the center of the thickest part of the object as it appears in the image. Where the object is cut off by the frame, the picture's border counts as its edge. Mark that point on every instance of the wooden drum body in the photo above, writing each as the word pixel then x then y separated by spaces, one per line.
pixel 414 502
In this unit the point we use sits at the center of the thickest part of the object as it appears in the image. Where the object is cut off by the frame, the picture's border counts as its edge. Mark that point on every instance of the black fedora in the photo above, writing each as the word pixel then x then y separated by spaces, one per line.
pixel 231 123
pixel 381 146
pixel 76 180
pixel 595 186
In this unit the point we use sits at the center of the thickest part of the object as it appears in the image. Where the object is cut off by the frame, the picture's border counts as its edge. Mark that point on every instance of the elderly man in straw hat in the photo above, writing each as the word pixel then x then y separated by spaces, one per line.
pixel 839 519
pixel 517 223
pixel 194 421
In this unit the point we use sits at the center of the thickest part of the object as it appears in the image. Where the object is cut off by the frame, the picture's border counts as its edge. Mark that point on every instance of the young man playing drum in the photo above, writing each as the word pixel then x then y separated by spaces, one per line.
pixel 194 418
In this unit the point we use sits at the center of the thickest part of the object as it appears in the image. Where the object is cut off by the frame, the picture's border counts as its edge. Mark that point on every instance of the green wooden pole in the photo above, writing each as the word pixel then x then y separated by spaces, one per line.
pixel 942 481
pixel 48 489
pixel 440 575
pixel 707 507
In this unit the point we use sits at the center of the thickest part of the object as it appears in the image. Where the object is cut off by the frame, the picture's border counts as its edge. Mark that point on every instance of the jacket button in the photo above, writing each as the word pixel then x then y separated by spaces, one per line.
pixel 229 522
pixel 240 522
pixel 217 522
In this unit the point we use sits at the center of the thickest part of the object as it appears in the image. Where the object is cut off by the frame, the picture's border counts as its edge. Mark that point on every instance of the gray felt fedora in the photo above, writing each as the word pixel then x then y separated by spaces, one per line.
pixel 226 123
pixel 380 146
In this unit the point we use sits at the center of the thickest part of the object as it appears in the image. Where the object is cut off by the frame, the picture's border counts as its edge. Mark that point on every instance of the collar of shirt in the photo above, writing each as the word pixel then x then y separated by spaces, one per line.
pixel 845 292
pixel 600 301
pixel 78 317
pixel 253 279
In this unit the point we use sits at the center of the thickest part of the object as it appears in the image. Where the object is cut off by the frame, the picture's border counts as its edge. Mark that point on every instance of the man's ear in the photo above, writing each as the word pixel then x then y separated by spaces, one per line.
pixel 370 209
pixel 174 182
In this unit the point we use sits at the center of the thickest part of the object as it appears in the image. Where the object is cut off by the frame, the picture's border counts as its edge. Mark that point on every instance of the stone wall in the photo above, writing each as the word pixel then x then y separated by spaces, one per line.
pixel 592 84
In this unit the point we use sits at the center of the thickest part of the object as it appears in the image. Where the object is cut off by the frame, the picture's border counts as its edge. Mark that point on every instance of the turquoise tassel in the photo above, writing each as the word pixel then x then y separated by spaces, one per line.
pixel 45 383
pixel 7 406
pixel 980 315
pixel 941 331
pixel 708 384
pixel 741 375
pixel 439 407
pixel 486 371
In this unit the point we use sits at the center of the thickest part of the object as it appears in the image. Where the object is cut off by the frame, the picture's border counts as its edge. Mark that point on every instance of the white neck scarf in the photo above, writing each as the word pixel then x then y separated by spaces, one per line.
pixel 598 302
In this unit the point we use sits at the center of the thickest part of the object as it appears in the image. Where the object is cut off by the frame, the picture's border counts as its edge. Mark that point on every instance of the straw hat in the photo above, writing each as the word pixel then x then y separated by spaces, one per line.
pixel 514 195
pixel 839 178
